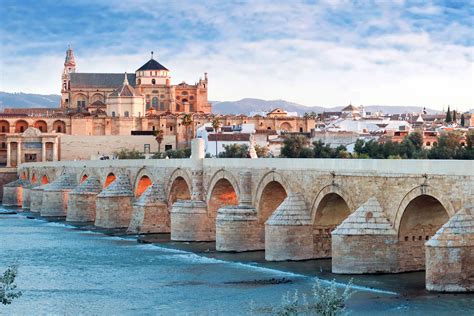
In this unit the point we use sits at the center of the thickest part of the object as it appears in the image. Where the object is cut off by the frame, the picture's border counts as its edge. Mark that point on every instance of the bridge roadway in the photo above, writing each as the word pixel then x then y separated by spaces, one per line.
pixel 370 216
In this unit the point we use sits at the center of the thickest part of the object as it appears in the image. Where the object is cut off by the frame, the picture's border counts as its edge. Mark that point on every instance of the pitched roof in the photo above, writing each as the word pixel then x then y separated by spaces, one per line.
pixel 99 80
pixel 350 108
pixel 152 65
pixel 125 90
pixel 98 104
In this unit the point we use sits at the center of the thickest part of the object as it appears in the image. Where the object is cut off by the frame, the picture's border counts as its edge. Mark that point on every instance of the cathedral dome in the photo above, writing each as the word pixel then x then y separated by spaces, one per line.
pixel 152 65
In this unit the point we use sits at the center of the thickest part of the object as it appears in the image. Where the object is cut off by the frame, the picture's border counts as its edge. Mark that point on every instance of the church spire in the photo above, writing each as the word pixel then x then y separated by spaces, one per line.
pixel 125 80
pixel 69 61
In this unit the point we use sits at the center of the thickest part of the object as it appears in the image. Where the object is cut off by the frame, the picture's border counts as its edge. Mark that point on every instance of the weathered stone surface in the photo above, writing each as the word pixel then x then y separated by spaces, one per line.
pixel 36 199
pixel 55 195
pixel 365 242
pixel 114 204
pixel 150 212
pixel 288 231
pixel 237 229
pixel 450 255
pixel 190 221
pixel 12 192
pixel 82 200
pixel 25 197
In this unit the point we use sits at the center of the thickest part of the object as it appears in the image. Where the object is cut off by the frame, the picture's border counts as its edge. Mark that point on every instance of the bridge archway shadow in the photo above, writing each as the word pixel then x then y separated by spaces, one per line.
pixel 222 194
pixel 44 180
pixel 142 185
pixel 179 190
pixel 109 179
pixel 421 218
pixel 330 212
pixel 273 194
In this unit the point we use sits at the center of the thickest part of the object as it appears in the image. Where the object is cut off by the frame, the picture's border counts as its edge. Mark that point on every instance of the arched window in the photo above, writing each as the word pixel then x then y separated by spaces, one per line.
pixel 126 114
pixel 153 81
pixel 154 103
pixel 191 107
pixel 428 144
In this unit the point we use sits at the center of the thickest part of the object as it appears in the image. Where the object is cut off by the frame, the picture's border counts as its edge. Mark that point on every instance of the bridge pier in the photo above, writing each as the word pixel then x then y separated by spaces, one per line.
pixel 55 195
pixel 365 242
pixel 12 193
pixel 288 232
pixel 150 212
pixel 114 204
pixel 190 220
pixel 82 200
pixel 450 255
pixel 25 197
pixel 237 226
pixel 36 198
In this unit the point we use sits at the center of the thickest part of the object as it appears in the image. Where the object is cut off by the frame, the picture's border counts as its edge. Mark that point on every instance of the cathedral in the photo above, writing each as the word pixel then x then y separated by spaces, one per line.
pixel 147 91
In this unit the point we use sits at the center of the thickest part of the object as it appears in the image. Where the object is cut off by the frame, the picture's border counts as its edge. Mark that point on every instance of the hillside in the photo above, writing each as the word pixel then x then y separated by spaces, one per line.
pixel 28 100
pixel 243 106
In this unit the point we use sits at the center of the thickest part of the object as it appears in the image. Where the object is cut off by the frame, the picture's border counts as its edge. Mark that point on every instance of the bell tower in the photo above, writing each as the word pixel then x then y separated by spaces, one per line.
pixel 69 67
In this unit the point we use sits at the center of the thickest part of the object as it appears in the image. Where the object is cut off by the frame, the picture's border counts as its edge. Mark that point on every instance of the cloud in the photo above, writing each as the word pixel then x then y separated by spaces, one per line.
pixel 325 53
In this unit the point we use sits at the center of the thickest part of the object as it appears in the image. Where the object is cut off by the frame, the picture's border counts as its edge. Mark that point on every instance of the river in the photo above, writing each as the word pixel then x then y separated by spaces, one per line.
pixel 69 270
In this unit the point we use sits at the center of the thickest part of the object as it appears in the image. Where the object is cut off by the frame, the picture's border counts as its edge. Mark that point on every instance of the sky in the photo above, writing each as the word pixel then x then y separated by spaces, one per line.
pixel 317 53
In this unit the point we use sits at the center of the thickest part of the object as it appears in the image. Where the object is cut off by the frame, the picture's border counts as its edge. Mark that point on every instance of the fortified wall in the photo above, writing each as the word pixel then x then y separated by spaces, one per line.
pixel 369 216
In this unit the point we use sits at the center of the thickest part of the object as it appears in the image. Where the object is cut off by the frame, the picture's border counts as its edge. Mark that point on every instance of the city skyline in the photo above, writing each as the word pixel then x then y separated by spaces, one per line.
pixel 328 53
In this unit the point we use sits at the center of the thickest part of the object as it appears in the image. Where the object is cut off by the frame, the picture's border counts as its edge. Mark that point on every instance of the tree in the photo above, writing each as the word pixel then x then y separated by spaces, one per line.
pixel 448 147
pixel 262 151
pixel 125 153
pixel 454 116
pixel 293 145
pixel 463 120
pixel 186 121
pixel 416 138
pixel 215 125
pixel 8 287
pixel 448 119
pixel 235 151
pixel 159 136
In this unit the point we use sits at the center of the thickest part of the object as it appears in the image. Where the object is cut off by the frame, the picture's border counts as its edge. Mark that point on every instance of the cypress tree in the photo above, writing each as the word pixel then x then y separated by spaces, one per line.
pixel 462 120
pixel 454 116
pixel 448 119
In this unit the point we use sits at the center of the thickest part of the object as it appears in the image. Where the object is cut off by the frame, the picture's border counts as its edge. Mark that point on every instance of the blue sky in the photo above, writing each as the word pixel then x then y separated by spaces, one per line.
pixel 325 53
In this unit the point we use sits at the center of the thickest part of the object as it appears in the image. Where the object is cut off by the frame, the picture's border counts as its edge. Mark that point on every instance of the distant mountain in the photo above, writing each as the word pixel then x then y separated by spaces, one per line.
pixel 247 105
pixel 244 106
pixel 28 100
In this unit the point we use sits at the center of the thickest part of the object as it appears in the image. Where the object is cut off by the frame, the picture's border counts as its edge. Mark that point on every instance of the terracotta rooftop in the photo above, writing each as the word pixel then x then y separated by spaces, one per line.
pixel 238 137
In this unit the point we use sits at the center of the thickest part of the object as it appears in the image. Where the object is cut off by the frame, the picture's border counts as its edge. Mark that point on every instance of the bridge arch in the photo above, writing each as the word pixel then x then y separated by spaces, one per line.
pixel 143 180
pixel 109 179
pixel 330 208
pixel 223 190
pixel 420 214
pixel 34 179
pixel 44 179
pixel 272 189
pixel 182 177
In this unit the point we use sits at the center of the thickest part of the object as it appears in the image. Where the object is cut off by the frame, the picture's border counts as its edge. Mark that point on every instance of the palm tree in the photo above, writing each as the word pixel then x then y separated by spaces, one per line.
pixel 159 136
pixel 215 125
pixel 186 121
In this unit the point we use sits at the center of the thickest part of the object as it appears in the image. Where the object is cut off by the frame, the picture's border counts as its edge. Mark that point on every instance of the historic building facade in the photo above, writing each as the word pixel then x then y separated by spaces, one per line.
pixel 151 83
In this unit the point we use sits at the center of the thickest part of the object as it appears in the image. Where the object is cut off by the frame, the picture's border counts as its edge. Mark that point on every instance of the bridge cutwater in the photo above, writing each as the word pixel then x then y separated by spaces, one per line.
pixel 369 216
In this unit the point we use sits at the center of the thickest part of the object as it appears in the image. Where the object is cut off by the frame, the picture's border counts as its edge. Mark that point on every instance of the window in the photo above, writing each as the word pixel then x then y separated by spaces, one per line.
pixel 146 148
pixel 162 106
pixel 4 145
pixel 139 81
pixel 154 103
pixel 428 144
pixel 81 103
pixel 168 147
pixel 153 81
pixel 113 114
pixel 191 107
pixel 184 93
pixel 127 114
pixel 301 130
pixel 22 129
pixel 58 129
pixel 148 104
pixel 4 129
pixel 162 96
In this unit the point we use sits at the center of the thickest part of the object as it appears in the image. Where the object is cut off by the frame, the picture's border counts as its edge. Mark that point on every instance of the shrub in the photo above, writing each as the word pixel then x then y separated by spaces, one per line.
pixel 125 153
pixel 8 287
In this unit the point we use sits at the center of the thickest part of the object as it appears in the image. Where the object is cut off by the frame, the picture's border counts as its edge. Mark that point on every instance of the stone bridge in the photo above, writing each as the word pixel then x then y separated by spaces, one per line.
pixel 369 216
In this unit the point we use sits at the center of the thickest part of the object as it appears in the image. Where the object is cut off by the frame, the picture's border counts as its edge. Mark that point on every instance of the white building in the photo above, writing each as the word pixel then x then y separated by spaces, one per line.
pixel 226 135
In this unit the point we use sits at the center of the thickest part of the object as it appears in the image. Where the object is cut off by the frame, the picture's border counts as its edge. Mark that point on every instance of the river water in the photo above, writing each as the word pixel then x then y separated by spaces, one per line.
pixel 66 270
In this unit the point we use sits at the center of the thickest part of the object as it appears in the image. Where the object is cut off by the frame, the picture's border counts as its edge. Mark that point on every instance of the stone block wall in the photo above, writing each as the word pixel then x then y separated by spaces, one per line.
pixel 113 212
